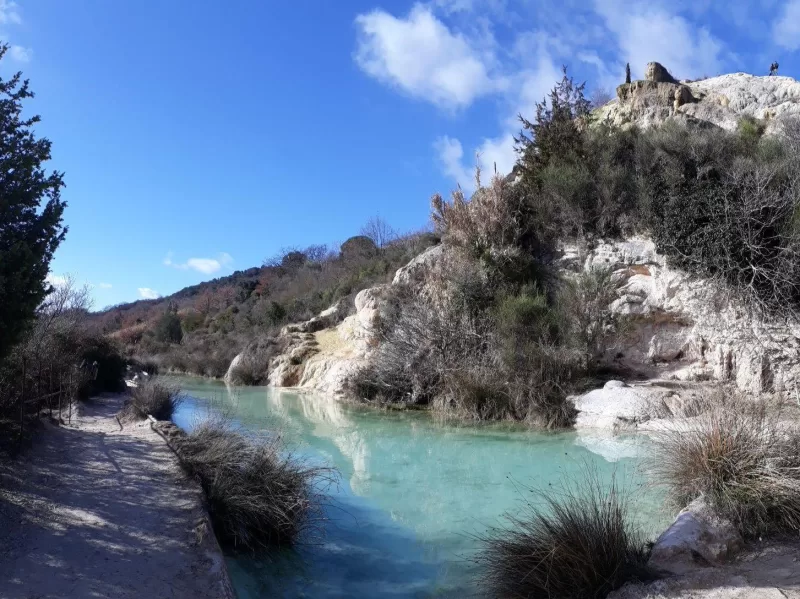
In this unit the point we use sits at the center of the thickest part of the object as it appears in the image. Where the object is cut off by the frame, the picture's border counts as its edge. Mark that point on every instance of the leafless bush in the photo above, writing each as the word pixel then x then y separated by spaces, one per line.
pixel 491 220
pixel 379 231
pixel 152 397
pixel 600 97
pixel 258 495
pixel 742 455
pixel 575 542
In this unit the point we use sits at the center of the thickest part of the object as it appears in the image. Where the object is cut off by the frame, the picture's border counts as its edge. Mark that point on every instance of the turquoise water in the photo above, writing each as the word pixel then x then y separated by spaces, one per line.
pixel 412 495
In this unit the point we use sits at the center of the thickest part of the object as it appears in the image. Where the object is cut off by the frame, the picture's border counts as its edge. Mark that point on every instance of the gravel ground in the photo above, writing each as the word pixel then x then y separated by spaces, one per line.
pixel 94 511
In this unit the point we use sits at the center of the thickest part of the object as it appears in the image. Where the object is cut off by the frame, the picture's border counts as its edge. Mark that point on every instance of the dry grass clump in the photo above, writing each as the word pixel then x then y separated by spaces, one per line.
pixel 743 456
pixel 257 495
pixel 579 542
pixel 154 397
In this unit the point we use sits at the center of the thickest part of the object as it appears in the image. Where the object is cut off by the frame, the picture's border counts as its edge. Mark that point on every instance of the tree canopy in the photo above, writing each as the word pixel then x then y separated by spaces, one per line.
pixel 31 212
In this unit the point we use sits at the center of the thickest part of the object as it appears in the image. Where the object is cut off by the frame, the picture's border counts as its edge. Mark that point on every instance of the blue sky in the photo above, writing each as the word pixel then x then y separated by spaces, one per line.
pixel 201 137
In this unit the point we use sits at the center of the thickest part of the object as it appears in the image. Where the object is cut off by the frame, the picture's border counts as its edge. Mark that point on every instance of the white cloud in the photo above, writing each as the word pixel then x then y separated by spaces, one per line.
pixel 21 54
pixel 451 156
pixel 147 293
pixel 9 13
pixel 530 86
pixel 420 55
pixel 646 32
pixel 57 280
pixel 786 29
pixel 104 285
pixel 206 266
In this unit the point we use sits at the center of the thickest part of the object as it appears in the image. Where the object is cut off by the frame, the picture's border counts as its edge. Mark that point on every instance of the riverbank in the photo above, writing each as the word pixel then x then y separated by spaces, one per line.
pixel 95 510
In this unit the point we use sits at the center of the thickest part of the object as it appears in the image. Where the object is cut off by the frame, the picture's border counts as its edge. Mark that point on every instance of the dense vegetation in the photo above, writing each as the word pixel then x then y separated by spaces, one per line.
pixel 30 213
pixel 501 333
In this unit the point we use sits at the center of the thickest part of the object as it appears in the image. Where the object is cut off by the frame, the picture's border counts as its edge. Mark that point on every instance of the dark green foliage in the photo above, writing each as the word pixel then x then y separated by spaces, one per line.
pixel 168 327
pixel 107 364
pixel 627 72
pixel 30 213
pixel 358 247
pixel 556 131
pixel 723 206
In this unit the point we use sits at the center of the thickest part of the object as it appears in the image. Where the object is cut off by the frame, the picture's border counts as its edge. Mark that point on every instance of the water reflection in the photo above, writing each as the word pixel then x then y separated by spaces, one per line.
pixel 413 491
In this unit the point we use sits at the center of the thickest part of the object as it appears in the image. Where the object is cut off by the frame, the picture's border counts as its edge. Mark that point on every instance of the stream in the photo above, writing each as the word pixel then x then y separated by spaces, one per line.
pixel 413 492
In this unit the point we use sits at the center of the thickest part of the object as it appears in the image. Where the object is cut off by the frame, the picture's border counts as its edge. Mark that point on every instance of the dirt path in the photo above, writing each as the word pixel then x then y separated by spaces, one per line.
pixel 92 511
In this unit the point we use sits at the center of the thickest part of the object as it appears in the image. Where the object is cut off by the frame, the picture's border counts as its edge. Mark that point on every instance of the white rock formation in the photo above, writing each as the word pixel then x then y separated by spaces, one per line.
pixel 686 328
pixel 718 100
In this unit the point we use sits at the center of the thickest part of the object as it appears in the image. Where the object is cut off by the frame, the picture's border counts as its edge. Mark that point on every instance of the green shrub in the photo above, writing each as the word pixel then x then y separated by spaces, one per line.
pixel 168 327
pixel 720 210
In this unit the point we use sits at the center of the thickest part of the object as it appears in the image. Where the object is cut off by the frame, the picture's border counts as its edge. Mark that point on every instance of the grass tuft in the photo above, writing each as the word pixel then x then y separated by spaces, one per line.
pixel 575 542
pixel 154 397
pixel 743 456
pixel 258 496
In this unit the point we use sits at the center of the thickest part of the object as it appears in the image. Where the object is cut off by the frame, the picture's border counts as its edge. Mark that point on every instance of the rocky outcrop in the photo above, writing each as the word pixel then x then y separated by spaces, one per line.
pixel 622 407
pixel 321 353
pixel 716 101
pixel 658 73
pixel 683 328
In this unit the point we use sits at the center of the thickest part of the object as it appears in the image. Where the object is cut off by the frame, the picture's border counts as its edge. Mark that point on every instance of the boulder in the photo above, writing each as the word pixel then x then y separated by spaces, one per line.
pixel 658 73
pixel 697 538
pixel 618 407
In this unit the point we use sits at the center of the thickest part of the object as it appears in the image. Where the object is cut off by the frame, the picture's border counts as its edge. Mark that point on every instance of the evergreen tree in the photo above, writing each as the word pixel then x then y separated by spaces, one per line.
pixel 31 212
pixel 627 72
pixel 556 131
pixel 168 327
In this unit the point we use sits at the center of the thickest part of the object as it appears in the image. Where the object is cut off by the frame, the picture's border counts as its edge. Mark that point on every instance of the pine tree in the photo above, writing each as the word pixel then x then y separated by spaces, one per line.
pixel 627 72
pixel 31 212
pixel 556 132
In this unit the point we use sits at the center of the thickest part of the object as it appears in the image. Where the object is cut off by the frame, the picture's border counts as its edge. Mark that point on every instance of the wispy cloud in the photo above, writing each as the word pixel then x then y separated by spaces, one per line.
pixel 21 54
pixel 57 280
pixel 421 56
pixel 147 293
pixel 104 285
pixel 9 13
pixel 206 266
pixel 786 29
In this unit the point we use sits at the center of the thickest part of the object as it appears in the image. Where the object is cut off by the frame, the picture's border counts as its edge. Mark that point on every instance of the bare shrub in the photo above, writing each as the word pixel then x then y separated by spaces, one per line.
pixel 258 496
pixel 742 455
pixel 576 542
pixel 379 231
pixel 152 397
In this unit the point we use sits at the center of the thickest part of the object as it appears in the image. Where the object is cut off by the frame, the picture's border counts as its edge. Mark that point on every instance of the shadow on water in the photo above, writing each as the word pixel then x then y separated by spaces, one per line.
pixel 413 492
